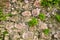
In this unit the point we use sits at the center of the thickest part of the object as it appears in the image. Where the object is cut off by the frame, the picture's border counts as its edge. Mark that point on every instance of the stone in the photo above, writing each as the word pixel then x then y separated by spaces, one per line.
pixel 37 3
pixel 26 1
pixel 14 12
pixel 35 12
pixel 43 26
pixel 27 35
pixel 21 27
pixel 26 13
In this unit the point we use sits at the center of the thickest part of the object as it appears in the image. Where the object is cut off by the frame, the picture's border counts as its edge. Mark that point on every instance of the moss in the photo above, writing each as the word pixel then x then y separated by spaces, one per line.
pixel 33 22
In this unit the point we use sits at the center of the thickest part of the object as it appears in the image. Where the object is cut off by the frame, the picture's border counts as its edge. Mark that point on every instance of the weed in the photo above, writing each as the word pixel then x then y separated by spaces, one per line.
pixel 48 3
pixel 41 16
pixel 9 15
pixel 2 16
pixel 5 32
pixel 33 22
pixel 46 31
pixel 57 17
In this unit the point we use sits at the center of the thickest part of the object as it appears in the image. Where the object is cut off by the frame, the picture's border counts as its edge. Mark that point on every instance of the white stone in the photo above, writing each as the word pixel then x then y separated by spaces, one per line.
pixel 26 13
pixel 21 27
pixel 35 38
pixel 35 12
pixel 37 3
pixel 26 1
pixel 43 26
pixel 14 12
pixel 27 35
pixel 14 0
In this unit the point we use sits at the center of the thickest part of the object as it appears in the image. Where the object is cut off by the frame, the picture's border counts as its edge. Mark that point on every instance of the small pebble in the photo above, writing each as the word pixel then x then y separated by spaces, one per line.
pixel 26 13
pixel 35 12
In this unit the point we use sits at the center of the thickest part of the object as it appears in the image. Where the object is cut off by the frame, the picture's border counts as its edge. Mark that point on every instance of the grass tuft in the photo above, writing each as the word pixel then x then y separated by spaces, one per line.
pixel 41 16
pixel 46 31
pixel 33 22
pixel 57 17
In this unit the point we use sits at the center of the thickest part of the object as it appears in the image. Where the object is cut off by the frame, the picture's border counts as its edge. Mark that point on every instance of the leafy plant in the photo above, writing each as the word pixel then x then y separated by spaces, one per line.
pixel 2 16
pixel 0 38
pixel 45 3
pixel 5 32
pixel 41 16
pixel 48 3
pixel 9 15
pixel 33 22
pixel 46 31
pixel 57 17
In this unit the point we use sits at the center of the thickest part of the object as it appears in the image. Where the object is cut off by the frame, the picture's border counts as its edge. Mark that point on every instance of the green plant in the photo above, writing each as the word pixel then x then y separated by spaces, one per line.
pixel 57 17
pixel 33 22
pixel 46 31
pixel 9 15
pixel 41 16
pixel 5 32
pixel 45 3
pixel 48 3
pixel 1 38
pixel 2 16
